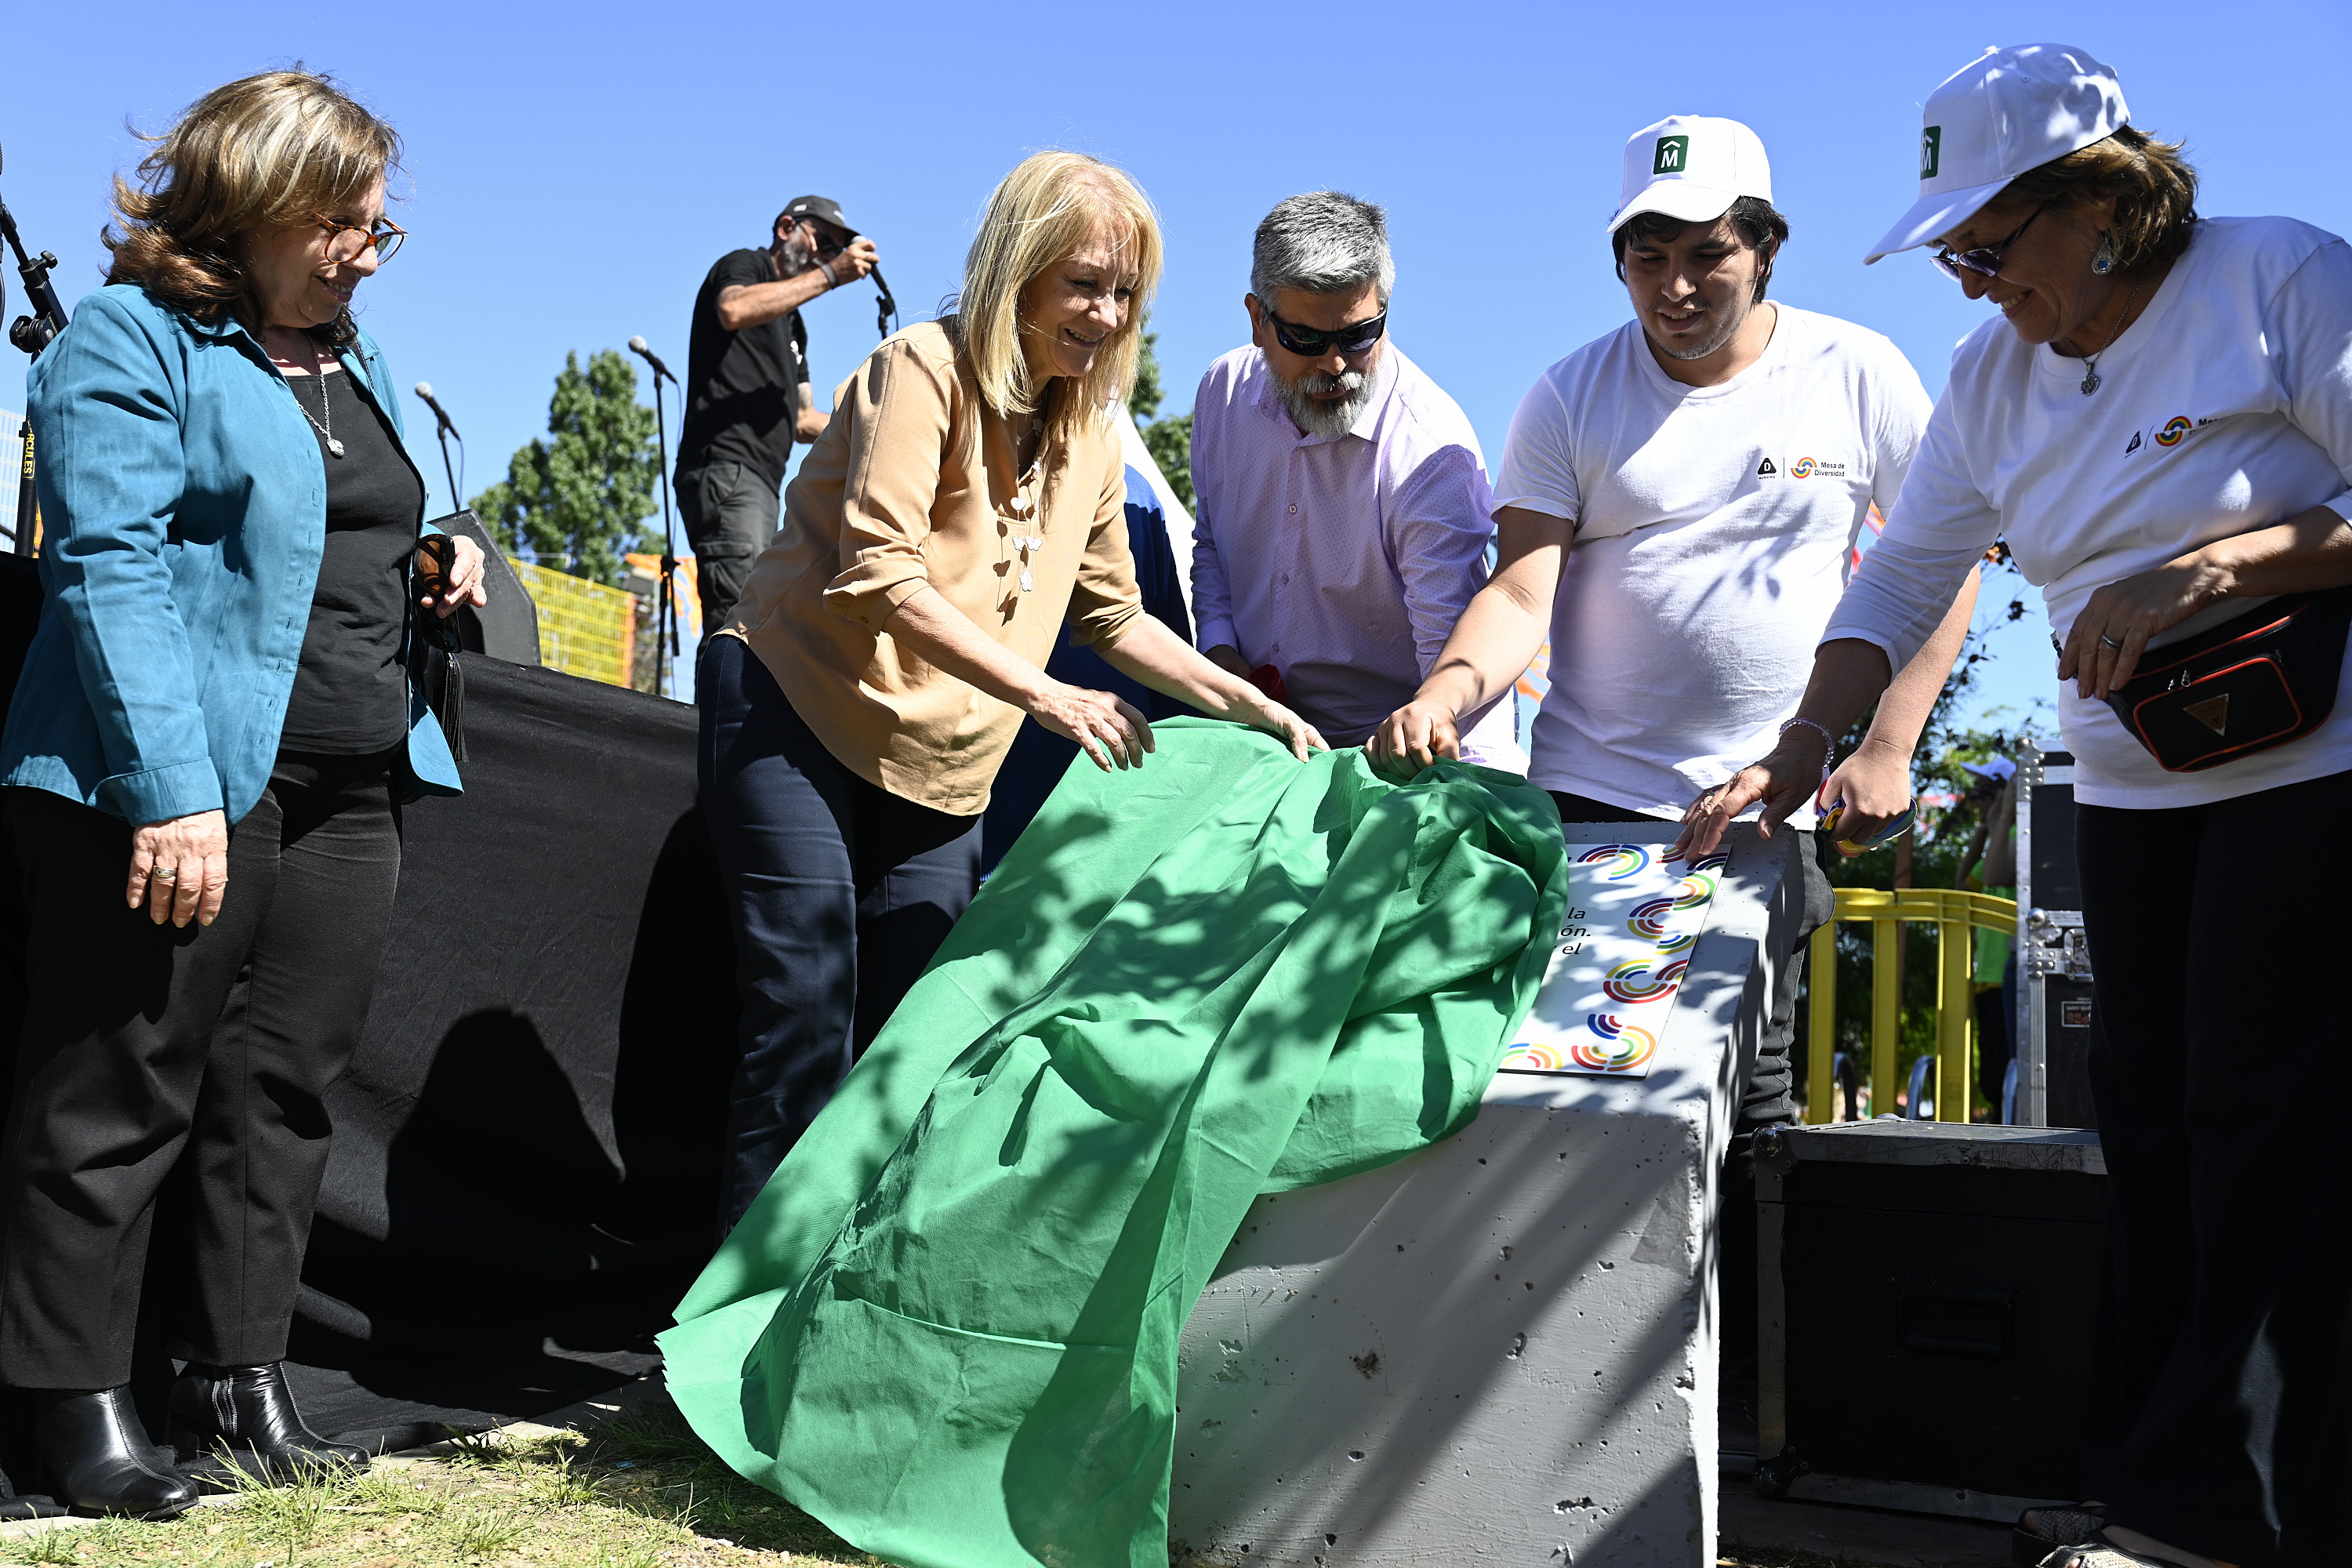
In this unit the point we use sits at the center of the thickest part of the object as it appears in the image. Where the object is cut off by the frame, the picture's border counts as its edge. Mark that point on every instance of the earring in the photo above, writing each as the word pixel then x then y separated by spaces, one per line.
pixel 2104 261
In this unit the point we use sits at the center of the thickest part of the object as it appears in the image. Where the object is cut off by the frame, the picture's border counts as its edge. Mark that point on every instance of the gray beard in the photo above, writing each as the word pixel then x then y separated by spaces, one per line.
pixel 793 258
pixel 1327 419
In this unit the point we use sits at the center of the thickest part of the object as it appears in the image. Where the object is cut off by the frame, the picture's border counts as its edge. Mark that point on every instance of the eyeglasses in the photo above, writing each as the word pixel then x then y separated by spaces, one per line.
pixel 1314 342
pixel 826 246
pixel 1985 260
pixel 346 241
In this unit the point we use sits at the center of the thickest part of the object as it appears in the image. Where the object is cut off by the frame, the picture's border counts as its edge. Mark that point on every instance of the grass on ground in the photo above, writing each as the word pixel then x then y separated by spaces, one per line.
pixel 638 1492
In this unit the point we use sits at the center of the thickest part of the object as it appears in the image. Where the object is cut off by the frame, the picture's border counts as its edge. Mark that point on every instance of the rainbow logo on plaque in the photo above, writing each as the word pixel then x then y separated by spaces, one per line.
pixel 1633 916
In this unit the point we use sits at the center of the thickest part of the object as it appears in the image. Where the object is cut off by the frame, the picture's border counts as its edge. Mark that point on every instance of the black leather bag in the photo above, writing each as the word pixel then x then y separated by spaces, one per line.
pixel 2255 682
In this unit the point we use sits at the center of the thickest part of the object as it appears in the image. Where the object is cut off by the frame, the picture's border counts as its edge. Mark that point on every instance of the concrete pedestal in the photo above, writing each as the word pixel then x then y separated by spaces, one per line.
pixel 1501 1349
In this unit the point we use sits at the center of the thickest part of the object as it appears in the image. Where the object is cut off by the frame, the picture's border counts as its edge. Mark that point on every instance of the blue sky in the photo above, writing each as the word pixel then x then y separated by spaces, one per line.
pixel 573 170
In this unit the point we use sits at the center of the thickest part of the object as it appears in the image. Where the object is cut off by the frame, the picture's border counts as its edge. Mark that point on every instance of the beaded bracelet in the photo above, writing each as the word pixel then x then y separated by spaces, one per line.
pixel 1829 743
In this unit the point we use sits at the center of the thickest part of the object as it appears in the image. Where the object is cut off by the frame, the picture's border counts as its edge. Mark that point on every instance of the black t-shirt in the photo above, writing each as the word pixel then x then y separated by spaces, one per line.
pixel 351 695
pixel 742 388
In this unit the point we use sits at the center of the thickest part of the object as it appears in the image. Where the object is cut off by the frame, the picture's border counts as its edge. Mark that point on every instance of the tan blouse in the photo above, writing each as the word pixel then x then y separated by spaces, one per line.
pixel 913 483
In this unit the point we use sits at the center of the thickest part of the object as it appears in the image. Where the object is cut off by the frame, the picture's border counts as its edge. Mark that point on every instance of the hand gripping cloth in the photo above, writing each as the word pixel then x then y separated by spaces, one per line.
pixel 948 1327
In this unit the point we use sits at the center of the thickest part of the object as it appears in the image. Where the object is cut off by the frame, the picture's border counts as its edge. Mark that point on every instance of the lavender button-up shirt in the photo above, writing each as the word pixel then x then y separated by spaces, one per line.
pixel 1342 561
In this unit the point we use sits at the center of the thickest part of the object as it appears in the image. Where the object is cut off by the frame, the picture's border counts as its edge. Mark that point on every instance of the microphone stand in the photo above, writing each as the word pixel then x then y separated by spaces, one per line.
pixel 885 309
pixel 441 430
pixel 31 333
pixel 666 616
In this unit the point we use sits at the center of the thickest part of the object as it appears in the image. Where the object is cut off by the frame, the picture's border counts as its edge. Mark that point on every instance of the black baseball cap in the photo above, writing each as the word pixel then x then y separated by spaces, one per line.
pixel 825 209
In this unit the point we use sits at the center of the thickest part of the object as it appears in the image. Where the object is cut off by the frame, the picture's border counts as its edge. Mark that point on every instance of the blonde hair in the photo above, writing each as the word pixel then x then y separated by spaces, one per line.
pixel 270 150
pixel 1051 203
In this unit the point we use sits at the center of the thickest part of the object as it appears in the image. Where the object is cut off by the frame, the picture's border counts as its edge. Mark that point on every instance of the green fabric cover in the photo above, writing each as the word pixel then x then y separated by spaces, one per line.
pixel 949 1326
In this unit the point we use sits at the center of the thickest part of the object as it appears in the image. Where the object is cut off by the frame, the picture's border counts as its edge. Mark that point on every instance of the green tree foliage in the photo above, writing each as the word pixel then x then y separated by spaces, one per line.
pixel 1143 400
pixel 574 501
pixel 1169 441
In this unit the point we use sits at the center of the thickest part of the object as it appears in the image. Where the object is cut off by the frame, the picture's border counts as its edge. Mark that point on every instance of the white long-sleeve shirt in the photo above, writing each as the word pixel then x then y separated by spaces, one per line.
pixel 1343 561
pixel 2224 409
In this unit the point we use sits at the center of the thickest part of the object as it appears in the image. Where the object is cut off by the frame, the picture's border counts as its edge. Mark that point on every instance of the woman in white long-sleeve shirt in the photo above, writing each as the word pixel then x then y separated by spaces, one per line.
pixel 2161 428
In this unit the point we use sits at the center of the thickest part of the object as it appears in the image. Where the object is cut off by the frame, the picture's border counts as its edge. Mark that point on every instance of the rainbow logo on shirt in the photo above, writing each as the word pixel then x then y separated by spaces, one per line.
pixel 1614 1048
pixel 1803 469
pixel 2174 429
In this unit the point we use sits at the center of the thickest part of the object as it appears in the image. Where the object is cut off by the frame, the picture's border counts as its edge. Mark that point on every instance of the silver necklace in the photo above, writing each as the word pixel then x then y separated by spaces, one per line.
pixel 326 404
pixel 2091 377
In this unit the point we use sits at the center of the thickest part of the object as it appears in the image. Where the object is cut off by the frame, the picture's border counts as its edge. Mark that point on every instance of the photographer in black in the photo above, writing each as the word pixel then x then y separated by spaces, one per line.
pixel 747 389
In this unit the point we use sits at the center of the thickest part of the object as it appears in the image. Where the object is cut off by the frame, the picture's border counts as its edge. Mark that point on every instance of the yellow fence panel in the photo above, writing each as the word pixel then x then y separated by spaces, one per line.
pixel 584 628
pixel 1955 915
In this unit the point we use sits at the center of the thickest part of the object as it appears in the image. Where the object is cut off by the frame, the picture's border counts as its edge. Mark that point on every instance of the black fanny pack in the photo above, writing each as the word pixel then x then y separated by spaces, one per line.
pixel 2255 682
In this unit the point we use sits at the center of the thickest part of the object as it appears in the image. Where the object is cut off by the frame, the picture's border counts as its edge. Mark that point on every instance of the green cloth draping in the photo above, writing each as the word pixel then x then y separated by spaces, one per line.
pixel 949 1326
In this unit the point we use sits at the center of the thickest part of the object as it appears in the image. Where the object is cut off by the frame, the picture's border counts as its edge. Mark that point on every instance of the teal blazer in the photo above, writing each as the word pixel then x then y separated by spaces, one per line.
pixel 184 508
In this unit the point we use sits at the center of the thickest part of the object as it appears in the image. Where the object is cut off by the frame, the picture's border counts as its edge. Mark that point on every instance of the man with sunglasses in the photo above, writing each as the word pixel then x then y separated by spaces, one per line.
pixel 747 389
pixel 1343 511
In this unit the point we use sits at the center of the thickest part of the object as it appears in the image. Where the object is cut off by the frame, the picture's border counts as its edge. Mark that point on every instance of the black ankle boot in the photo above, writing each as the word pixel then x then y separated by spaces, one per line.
pixel 247 1415
pixel 99 1458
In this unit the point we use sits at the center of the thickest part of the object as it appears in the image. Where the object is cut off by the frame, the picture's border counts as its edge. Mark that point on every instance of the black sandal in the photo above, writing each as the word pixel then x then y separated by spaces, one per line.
pixel 2051 1527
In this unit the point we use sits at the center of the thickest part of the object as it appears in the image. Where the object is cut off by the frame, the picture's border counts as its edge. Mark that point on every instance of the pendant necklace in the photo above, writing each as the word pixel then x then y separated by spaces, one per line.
pixel 326 404
pixel 2091 377
pixel 1023 509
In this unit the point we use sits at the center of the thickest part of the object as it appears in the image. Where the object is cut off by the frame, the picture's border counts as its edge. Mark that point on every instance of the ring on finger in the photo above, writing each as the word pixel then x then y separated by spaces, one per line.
pixel 2110 644
pixel 165 873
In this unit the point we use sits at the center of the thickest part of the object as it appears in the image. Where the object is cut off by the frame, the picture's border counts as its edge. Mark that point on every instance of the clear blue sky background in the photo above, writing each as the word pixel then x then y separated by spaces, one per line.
pixel 574 170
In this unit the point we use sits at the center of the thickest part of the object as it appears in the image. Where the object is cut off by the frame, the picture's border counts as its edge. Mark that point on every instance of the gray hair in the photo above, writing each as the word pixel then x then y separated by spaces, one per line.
pixel 1322 242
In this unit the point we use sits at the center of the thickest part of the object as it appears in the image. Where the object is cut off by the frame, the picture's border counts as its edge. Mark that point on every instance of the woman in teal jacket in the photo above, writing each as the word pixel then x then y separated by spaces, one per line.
pixel 206 759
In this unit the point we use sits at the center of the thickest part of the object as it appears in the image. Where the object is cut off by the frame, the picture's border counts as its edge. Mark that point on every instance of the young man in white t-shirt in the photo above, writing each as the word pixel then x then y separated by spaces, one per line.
pixel 1677 506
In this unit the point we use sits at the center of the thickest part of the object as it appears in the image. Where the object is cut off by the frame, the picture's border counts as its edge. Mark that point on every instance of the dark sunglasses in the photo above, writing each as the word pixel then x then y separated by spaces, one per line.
pixel 436 565
pixel 1985 260
pixel 1314 342
pixel 437 560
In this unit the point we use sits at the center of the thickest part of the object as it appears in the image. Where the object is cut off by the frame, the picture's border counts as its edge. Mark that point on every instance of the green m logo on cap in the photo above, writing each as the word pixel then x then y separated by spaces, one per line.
pixel 1674 152
pixel 1931 151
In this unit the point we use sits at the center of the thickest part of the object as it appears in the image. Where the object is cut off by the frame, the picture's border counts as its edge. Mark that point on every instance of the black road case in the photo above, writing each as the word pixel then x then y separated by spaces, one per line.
pixel 2056 1021
pixel 1926 1294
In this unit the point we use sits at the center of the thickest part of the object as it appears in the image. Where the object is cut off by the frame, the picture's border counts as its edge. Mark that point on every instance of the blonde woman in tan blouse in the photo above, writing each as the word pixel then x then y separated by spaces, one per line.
pixel 965 502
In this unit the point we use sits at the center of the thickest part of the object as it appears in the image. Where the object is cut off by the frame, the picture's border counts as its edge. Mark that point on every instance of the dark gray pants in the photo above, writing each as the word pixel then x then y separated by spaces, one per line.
pixel 730 513
pixel 172 1080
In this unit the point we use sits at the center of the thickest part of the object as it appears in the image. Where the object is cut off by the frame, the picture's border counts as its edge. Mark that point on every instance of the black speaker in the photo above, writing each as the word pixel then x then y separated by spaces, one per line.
pixel 1928 1296
pixel 508 627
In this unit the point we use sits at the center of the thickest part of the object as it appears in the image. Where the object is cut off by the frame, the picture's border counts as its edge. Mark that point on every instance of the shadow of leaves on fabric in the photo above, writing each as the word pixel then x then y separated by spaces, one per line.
pixel 948 1328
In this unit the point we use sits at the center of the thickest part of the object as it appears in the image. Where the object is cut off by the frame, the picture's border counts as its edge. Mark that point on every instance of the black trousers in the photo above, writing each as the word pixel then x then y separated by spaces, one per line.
pixel 170 1081
pixel 839 892
pixel 2223 1416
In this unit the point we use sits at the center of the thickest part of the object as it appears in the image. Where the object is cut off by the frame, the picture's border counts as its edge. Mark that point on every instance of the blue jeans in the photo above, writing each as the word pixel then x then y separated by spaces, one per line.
pixel 839 892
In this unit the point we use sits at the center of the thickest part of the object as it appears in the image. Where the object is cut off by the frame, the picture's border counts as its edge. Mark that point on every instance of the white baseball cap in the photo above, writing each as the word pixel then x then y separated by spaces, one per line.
pixel 1691 167
pixel 2004 112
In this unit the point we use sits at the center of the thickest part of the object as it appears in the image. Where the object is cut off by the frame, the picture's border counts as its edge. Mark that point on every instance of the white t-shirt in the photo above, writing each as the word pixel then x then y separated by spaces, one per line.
pixel 1713 527
pixel 2226 408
